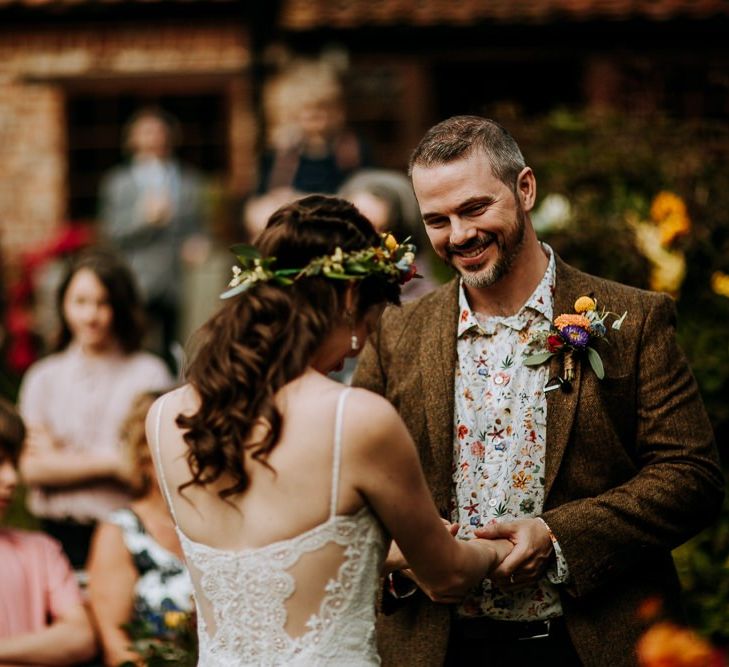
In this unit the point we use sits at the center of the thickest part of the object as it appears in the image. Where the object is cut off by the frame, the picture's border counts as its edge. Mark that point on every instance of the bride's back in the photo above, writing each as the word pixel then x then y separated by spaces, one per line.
pixel 288 492
pixel 284 558
pixel 293 560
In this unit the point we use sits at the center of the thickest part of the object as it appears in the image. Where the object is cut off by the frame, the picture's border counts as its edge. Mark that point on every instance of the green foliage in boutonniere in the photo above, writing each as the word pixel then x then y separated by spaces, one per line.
pixel 573 334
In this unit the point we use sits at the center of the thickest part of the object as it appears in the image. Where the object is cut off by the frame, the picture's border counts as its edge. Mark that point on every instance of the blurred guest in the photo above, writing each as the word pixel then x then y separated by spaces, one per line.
pixel 42 617
pixel 310 149
pixel 75 400
pixel 152 210
pixel 386 198
pixel 136 573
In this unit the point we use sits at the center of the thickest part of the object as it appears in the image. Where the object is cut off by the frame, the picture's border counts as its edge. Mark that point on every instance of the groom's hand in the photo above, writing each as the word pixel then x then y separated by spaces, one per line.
pixel 529 559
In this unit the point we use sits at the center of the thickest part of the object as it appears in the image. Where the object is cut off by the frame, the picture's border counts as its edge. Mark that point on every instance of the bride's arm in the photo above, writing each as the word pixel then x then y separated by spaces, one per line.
pixel 384 468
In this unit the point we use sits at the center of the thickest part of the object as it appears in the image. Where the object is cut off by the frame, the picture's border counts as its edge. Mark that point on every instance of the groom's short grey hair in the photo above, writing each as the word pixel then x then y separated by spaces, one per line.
pixel 459 136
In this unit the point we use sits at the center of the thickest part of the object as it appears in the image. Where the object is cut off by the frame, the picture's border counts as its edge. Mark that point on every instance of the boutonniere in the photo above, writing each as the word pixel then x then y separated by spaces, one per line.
pixel 572 335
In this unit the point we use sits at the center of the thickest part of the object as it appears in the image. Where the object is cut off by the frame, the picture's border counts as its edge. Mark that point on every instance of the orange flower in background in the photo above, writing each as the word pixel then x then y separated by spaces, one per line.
pixel 650 608
pixel 668 212
pixel 669 645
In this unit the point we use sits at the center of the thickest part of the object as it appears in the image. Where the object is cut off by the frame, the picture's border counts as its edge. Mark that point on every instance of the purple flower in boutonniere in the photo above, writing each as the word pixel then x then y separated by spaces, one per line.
pixel 573 334
pixel 576 336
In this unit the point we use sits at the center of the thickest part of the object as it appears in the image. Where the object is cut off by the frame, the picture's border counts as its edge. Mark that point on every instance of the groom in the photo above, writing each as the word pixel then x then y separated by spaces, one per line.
pixel 593 480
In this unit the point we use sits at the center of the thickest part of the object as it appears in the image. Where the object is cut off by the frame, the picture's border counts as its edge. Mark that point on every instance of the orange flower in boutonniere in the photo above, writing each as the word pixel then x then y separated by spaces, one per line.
pixel 571 335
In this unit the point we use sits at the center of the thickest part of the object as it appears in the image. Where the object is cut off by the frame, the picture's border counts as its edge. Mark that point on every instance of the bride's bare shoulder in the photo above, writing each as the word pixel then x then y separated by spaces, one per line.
pixel 371 413
pixel 183 399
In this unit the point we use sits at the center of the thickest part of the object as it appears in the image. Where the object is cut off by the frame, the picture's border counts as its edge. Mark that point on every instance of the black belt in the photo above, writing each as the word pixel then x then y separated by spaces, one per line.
pixel 504 631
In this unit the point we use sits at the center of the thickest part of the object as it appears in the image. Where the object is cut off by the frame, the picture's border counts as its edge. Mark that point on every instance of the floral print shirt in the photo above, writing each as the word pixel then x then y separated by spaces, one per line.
pixel 499 441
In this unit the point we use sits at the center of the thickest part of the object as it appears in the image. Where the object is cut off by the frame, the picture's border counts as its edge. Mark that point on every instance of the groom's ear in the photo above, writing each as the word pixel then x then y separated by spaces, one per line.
pixel 526 188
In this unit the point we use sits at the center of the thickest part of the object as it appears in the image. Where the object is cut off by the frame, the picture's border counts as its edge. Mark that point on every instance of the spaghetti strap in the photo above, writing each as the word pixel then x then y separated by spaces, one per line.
pixel 337 452
pixel 158 465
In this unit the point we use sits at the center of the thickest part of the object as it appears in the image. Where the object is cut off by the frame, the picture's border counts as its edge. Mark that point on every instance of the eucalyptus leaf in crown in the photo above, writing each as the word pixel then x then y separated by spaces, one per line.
pixel 396 261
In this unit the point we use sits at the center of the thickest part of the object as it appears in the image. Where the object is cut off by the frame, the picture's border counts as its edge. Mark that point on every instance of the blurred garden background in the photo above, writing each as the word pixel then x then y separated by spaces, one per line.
pixel 620 106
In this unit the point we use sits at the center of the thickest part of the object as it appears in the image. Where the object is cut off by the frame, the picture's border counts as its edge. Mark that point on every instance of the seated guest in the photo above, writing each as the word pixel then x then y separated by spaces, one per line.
pixel 42 617
pixel 135 567
pixel 386 198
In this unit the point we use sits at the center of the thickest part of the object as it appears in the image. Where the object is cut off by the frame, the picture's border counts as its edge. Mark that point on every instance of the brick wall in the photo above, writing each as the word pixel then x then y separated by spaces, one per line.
pixel 32 165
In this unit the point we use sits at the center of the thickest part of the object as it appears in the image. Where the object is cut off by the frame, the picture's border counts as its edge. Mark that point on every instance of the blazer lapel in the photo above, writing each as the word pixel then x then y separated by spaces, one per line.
pixel 561 405
pixel 437 359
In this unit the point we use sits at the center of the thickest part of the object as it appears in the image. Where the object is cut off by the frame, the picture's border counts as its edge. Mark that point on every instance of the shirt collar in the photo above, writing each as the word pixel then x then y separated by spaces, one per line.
pixel 541 301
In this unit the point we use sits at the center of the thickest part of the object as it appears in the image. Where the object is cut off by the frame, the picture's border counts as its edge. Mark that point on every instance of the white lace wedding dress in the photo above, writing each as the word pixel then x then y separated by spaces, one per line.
pixel 241 596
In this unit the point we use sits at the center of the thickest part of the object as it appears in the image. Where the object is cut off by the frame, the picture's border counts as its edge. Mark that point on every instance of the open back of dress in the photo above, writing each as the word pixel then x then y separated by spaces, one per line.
pixel 308 600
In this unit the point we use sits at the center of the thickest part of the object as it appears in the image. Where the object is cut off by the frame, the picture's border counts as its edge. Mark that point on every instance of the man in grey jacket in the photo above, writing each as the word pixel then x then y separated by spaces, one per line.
pixel 152 212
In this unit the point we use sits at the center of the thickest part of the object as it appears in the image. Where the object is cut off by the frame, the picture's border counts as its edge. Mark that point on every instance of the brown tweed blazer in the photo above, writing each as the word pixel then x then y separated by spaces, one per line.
pixel 631 465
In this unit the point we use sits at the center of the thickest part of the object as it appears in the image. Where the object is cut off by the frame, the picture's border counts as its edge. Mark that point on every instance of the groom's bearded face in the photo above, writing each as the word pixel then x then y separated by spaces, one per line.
pixel 475 222
pixel 507 247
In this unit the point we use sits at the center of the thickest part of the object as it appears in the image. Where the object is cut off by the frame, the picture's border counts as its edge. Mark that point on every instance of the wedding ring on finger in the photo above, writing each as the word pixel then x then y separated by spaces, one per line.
pixel 511 578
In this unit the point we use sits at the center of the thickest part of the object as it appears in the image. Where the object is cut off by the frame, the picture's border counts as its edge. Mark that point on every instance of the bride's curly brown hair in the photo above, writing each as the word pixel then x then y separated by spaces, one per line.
pixel 266 337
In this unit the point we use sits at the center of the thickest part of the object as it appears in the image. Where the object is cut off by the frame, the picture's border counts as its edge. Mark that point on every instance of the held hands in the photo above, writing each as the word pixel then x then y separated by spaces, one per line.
pixel 532 550
pixel 492 552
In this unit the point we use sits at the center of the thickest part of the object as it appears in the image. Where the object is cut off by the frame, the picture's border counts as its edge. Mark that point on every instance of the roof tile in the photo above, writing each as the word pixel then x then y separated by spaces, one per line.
pixel 311 14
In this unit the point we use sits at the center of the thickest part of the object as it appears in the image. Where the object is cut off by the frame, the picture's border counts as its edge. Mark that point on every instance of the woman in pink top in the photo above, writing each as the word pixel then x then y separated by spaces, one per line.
pixel 42 618
pixel 74 401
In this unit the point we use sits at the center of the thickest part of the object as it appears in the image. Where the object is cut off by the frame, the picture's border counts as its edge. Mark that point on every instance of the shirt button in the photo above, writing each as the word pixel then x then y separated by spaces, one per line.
pixel 493 502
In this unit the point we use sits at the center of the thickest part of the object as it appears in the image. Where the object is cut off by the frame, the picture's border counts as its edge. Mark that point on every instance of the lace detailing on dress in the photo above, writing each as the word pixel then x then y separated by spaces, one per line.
pixel 244 594
pixel 248 591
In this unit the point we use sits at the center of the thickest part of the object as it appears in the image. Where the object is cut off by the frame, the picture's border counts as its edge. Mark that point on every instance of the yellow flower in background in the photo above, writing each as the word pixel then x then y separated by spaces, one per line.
pixel 665 205
pixel 669 645
pixel 720 283
pixel 668 267
pixel 174 619
pixel 668 212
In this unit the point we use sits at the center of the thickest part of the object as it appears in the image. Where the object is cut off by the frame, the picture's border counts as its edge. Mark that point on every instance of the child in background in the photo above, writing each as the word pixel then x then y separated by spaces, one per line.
pixel 42 617
pixel 136 573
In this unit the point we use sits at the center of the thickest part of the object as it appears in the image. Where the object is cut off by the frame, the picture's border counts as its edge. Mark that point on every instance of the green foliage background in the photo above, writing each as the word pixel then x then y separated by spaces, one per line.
pixel 611 166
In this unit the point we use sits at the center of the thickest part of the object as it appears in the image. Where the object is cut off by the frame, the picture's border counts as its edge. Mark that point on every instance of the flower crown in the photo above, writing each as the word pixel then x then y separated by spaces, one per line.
pixel 396 261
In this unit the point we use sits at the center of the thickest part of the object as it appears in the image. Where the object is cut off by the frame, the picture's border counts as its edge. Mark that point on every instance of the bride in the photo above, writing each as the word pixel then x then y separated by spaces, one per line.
pixel 284 485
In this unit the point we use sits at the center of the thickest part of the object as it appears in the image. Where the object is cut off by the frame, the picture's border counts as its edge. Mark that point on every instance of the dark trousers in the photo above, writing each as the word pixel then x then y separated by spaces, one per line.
pixel 75 538
pixel 476 642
